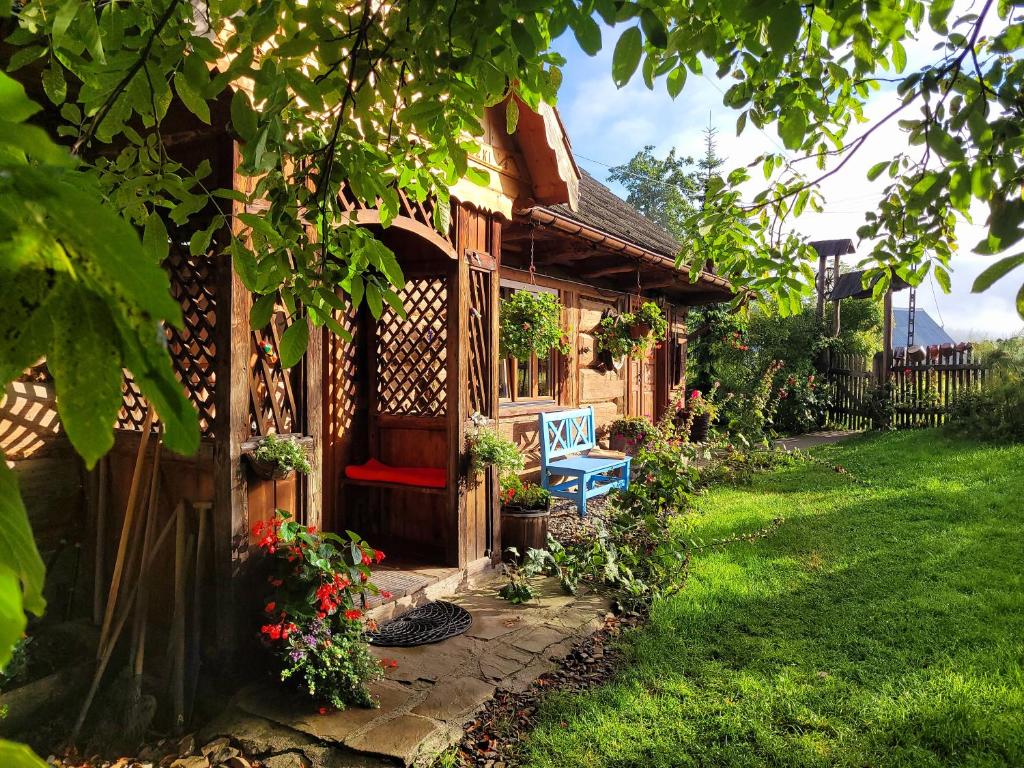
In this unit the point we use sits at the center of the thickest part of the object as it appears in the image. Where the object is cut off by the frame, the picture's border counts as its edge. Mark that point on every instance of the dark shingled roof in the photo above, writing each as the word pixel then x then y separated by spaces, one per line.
pixel 602 209
pixel 828 248
pixel 850 285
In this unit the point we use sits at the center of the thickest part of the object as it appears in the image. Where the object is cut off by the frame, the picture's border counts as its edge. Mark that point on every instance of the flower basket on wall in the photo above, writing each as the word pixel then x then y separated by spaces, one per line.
pixel 278 457
pixel 630 333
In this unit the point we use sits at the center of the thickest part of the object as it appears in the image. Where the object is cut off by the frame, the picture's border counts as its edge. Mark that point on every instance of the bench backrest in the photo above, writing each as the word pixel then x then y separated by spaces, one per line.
pixel 565 432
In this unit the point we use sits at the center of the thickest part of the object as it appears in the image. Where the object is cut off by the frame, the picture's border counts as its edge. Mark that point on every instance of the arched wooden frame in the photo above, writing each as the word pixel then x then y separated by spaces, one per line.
pixel 371 217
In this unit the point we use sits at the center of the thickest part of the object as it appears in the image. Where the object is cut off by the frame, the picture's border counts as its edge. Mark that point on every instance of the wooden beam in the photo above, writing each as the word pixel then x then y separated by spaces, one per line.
pixel 231 514
pixel 618 269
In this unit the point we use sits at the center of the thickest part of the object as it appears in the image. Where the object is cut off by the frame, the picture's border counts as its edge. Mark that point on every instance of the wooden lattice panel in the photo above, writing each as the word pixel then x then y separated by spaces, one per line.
pixel 412 353
pixel 193 348
pixel 479 341
pixel 272 404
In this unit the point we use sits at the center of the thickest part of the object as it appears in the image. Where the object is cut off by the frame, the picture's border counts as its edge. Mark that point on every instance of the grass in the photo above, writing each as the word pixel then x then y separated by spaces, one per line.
pixel 880 626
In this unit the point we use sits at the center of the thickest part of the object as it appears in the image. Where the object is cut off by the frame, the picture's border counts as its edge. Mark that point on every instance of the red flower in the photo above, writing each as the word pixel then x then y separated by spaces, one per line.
pixel 378 555
pixel 323 710
pixel 352 614
pixel 695 394
pixel 366 559
pixel 311 529
pixel 362 577
pixel 269 607
pixel 386 595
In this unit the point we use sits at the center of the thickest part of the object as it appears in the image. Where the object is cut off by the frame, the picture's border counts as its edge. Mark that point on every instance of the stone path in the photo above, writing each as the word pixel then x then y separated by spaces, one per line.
pixel 813 439
pixel 425 699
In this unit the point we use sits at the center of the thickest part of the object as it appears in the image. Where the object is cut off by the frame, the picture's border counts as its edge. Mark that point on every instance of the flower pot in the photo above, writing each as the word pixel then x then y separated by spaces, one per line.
pixel 639 330
pixel 623 444
pixel 699 428
pixel 524 528
pixel 268 470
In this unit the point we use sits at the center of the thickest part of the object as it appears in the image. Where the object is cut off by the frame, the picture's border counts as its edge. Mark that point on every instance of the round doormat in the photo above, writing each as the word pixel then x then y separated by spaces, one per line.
pixel 430 623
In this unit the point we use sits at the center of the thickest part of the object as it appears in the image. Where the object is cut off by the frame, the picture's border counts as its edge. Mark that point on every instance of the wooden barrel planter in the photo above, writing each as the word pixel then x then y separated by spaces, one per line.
pixel 524 528
pixel 699 428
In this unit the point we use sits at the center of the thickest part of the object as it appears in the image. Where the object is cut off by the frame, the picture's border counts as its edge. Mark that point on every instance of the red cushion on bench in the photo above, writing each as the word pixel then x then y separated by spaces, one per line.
pixel 378 472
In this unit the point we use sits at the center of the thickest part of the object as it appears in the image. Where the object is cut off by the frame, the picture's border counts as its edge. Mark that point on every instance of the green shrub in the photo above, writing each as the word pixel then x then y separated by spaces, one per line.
pixel 997 411
pixel 635 428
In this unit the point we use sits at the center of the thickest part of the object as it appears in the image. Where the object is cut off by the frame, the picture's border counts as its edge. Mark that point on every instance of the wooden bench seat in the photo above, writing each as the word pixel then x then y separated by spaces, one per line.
pixel 567 440
pixel 376 474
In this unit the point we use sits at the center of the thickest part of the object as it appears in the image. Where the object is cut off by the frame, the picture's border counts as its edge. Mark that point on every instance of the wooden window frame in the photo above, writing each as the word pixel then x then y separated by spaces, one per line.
pixel 534 400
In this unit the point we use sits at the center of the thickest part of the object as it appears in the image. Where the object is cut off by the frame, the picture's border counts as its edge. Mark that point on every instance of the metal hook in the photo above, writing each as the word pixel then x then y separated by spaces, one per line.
pixel 533 268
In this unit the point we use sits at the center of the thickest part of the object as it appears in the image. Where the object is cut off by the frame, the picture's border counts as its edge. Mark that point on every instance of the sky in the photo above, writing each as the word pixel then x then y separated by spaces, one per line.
pixel 608 125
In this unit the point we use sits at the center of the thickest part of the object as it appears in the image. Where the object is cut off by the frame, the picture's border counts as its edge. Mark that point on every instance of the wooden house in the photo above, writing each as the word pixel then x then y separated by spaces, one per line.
pixel 395 401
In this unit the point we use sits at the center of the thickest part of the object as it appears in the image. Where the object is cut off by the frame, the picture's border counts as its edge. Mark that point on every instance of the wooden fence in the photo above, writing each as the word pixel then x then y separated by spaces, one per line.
pixel 921 393
pixel 850 381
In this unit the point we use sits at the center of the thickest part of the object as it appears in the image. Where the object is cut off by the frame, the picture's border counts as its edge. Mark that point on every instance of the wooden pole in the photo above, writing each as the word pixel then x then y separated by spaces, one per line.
pixel 178 624
pixel 107 651
pixel 196 635
pixel 836 302
pixel 142 603
pixel 101 540
pixel 887 336
pixel 822 261
pixel 126 527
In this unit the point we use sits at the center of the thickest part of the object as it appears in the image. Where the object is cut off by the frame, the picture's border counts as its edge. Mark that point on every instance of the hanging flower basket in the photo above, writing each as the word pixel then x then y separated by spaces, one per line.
pixel 631 333
pixel 531 323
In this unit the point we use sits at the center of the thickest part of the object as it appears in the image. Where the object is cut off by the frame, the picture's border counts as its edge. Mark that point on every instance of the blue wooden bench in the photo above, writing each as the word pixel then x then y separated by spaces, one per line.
pixel 566 440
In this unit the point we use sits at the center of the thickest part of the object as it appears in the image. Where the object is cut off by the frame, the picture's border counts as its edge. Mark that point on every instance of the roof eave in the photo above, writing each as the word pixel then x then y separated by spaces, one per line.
pixel 546 217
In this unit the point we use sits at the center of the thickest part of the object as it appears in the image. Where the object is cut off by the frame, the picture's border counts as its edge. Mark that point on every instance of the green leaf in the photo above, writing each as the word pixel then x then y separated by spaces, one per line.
pixel 942 276
pixel 374 300
pixel 588 35
pixel 243 116
pixel 676 81
pixel 195 103
pixel 261 312
pixel 654 28
pixel 245 264
pixel 15 106
pixel 626 57
pixel 1020 302
pixel 784 28
pixel 13 755
pixel 511 115
pixel 86 366
pixel 478 176
pixel 62 20
pixel 792 127
pixel 996 271
pixel 293 342
pixel 899 56
pixel 155 242
pixel 53 83
pixel 876 170
pixel 21 568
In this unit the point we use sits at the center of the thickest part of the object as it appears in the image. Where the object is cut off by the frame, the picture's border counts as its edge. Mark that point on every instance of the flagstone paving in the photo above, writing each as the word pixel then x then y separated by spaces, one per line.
pixel 431 692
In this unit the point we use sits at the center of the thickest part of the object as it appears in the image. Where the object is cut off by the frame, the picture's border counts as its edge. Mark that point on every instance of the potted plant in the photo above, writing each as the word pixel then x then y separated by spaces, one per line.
pixel 701 411
pixel 531 323
pixel 631 333
pixel 649 321
pixel 489 449
pixel 524 514
pixel 276 458
pixel 630 433
pixel 312 623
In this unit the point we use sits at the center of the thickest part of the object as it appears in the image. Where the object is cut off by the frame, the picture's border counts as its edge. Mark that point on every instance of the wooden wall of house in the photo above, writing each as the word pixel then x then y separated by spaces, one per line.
pixel 638 388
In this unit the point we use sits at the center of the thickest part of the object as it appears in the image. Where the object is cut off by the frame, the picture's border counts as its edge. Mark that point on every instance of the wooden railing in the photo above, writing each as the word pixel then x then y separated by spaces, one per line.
pixel 921 393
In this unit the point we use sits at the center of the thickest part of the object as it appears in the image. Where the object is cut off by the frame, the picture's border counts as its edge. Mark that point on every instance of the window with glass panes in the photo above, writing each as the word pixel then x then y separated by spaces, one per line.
pixel 531 379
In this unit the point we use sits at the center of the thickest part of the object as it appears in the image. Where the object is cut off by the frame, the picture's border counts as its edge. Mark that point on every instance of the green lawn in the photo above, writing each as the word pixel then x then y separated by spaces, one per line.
pixel 880 626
